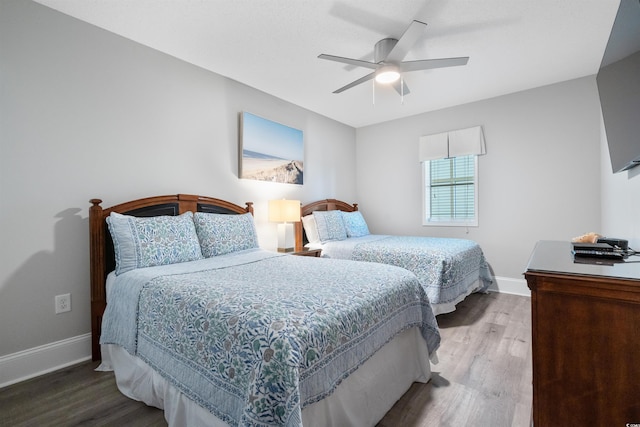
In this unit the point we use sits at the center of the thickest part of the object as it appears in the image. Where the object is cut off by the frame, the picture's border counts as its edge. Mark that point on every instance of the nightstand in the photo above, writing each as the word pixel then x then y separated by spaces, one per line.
pixel 307 252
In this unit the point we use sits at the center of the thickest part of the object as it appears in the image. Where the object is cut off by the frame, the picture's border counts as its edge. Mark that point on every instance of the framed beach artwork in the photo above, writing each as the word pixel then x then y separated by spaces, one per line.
pixel 270 151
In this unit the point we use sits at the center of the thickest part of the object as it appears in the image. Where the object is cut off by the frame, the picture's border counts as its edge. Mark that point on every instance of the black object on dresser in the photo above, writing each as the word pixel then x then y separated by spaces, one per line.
pixel 586 338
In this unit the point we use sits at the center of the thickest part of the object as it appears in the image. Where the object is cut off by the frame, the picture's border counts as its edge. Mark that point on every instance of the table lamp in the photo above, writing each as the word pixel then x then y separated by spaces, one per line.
pixel 285 212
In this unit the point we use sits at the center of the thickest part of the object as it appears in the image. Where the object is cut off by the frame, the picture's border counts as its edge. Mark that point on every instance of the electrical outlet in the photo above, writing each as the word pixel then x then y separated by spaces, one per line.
pixel 63 303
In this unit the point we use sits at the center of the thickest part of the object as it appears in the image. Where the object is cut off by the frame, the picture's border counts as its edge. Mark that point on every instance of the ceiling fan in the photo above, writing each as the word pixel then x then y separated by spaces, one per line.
pixel 388 65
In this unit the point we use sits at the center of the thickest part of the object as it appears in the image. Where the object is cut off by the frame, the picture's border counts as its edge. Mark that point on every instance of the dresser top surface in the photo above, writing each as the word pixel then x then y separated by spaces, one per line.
pixel 556 257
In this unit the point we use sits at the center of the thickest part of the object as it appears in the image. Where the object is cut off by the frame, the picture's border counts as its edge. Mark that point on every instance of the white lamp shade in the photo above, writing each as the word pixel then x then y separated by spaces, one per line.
pixel 284 210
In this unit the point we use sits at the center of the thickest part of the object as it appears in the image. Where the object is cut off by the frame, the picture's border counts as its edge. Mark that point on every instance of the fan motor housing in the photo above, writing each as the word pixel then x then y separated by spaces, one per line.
pixel 382 49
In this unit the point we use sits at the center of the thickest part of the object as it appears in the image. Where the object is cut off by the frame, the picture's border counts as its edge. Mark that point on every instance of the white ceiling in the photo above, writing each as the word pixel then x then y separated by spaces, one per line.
pixel 272 45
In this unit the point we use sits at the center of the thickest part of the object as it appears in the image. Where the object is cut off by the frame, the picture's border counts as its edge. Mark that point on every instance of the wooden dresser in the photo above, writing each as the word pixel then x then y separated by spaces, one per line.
pixel 586 339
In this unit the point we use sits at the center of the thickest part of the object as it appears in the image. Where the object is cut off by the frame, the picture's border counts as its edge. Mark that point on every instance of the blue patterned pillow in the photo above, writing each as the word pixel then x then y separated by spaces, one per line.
pixel 221 234
pixel 330 225
pixel 355 224
pixel 158 240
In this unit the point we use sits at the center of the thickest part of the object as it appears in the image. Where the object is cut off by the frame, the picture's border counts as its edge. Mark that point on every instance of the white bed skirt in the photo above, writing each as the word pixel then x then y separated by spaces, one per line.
pixel 360 400
pixel 450 307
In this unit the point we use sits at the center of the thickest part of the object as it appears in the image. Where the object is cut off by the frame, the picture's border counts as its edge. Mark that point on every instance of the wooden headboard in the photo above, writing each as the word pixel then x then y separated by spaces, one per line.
pixel 320 205
pixel 102 257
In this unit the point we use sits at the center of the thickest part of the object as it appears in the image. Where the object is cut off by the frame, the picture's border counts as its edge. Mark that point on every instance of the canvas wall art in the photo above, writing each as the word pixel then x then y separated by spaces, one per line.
pixel 270 151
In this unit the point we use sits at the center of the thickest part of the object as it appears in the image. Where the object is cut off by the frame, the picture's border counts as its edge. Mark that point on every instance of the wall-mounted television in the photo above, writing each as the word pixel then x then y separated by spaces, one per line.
pixel 619 88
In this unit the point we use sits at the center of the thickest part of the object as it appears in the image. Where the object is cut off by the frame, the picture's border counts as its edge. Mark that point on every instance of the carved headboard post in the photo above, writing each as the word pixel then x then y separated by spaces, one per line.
pixel 298 233
pixel 97 272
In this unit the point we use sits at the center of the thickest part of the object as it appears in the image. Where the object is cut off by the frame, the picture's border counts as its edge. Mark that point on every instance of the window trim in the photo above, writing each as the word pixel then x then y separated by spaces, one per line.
pixel 426 221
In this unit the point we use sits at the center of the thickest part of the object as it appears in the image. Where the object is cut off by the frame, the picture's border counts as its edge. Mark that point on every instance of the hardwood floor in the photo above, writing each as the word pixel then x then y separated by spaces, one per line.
pixel 484 374
pixel 483 379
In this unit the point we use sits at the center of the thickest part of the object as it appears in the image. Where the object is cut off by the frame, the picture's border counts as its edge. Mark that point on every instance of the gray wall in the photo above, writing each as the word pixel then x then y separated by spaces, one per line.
pixel 540 178
pixel 88 114
pixel 85 113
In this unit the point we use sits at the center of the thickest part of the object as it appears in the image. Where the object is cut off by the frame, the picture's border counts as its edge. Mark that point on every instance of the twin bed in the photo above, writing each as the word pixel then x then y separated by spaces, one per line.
pixel 202 323
pixel 448 269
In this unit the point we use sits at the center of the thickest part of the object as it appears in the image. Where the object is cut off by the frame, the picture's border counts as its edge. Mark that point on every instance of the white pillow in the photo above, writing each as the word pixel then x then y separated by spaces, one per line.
pixel 311 228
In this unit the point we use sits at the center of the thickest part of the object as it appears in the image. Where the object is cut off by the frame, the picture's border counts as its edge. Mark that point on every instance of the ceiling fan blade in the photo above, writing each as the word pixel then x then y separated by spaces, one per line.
pixel 356 83
pixel 406 42
pixel 404 90
pixel 350 61
pixel 428 64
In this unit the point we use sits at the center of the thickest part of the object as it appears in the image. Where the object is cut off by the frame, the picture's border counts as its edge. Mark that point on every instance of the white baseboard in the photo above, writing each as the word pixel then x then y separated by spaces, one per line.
pixel 47 358
pixel 508 285
pixel 37 361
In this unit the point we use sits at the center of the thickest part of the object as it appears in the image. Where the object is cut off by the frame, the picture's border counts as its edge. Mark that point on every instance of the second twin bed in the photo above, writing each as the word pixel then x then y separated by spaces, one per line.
pixel 448 269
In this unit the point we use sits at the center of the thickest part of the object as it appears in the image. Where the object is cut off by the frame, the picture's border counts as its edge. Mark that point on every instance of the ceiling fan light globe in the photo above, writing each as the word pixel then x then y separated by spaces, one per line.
pixel 387 75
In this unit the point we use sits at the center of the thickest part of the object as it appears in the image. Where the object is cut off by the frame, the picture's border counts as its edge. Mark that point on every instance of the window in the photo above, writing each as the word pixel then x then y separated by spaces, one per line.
pixel 451 191
pixel 450 176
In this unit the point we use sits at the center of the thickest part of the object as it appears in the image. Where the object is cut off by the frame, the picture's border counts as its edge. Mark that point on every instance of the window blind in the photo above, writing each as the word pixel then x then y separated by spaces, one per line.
pixel 452 188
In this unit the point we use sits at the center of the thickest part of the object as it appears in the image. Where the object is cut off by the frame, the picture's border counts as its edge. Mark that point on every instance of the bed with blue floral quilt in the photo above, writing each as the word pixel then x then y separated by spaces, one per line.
pixel 449 269
pixel 201 322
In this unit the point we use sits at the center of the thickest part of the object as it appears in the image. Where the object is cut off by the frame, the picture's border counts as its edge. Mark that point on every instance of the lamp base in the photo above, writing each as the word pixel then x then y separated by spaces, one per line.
pixel 286 241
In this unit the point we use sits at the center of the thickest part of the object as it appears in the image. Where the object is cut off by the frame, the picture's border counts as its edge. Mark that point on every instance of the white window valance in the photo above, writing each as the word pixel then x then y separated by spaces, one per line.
pixel 455 143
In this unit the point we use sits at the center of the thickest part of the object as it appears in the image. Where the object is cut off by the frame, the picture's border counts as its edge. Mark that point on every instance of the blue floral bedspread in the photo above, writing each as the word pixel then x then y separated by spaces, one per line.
pixel 445 267
pixel 254 337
